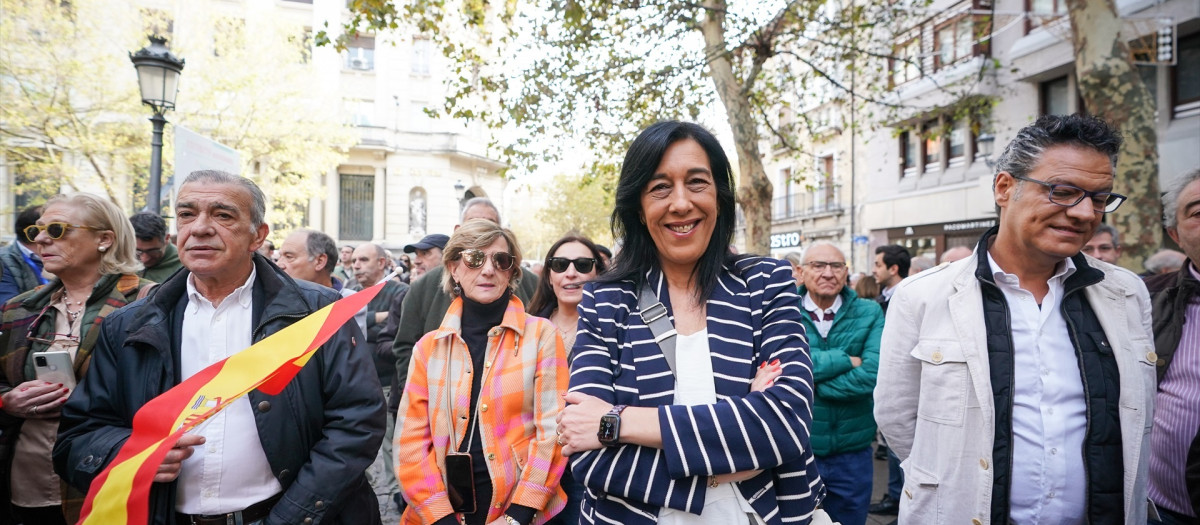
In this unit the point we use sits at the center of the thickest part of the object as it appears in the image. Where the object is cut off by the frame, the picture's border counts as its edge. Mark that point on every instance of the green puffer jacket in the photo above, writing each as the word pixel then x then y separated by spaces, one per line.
pixel 842 408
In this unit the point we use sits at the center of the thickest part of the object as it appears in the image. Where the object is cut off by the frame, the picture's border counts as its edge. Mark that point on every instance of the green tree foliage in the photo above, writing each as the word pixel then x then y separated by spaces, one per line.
pixel 63 122
pixel 570 204
pixel 262 97
pixel 598 71
pixel 71 115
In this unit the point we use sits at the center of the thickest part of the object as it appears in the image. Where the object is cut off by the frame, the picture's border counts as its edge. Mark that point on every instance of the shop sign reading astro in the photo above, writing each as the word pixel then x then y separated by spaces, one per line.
pixel 780 241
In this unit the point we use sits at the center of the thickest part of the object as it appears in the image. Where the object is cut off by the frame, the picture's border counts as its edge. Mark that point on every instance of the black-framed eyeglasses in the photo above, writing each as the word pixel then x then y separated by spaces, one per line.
pixel 820 266
pixel 55 229
pixel 152 252
pixel 1067 195
pixel 475 258
pixel 560 264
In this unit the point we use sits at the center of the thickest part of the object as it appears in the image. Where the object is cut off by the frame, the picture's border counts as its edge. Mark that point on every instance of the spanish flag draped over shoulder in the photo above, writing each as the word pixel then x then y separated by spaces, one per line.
pixel 120 494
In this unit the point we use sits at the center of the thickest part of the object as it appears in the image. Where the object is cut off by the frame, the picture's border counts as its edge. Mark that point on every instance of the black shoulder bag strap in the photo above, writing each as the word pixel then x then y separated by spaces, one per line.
pixel 655 315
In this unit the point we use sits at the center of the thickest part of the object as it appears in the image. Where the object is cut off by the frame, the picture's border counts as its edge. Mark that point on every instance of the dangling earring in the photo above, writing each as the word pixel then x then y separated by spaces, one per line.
pixel 457 289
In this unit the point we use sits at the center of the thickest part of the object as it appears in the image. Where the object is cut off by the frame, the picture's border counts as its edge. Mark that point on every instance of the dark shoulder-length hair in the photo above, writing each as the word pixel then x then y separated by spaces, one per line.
pixel 544 300
pixel 638 252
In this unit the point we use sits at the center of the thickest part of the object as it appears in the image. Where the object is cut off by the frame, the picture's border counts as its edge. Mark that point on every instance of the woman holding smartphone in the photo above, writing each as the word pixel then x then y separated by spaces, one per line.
pixel 88 244
pixel 476 442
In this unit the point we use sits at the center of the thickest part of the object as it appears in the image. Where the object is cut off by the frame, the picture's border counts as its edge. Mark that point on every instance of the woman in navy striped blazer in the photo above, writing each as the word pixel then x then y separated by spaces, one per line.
pixel 700 440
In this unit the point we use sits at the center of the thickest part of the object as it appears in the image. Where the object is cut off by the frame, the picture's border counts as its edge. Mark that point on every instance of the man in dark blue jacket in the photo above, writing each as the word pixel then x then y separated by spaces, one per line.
pixel 20 266
pixel 297 457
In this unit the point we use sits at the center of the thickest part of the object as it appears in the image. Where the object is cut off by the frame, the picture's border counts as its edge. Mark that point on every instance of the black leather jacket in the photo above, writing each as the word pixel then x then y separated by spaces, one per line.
pixel 319 434
pixel 1169 297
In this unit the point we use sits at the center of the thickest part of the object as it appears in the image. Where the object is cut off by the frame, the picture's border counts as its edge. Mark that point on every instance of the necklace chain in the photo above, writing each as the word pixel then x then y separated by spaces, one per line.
pixel 72 316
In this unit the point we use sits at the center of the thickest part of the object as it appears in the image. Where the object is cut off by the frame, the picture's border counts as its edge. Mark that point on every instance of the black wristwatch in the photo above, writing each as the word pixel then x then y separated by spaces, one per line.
pixel 610 426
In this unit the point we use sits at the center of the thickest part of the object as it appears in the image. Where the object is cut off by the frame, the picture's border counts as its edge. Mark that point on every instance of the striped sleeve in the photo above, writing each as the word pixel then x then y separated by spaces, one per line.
pixel 631 472
pixel 760 430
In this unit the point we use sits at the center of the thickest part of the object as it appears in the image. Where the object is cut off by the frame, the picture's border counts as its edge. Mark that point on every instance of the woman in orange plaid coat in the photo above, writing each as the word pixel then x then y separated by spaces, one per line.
pixel 476 442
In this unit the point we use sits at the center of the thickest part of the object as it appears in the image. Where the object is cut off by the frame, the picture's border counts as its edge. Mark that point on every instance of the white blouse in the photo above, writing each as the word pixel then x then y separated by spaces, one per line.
pixel 694 385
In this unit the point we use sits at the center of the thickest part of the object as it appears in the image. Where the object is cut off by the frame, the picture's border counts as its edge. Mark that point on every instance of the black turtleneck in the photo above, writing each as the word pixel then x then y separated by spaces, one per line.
pixel 477 320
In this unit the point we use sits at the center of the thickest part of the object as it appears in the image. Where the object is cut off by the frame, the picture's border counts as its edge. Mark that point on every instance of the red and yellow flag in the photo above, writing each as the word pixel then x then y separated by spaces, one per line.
pixel 120 494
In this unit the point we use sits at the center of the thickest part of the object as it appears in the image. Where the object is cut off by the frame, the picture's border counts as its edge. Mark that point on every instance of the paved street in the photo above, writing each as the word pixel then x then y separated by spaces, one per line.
pixel 387 507
pixel 880 487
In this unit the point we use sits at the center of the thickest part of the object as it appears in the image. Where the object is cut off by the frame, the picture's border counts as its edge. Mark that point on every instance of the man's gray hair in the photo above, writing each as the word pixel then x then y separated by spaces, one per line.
pixel 477 201
pixel 920 264
pixel 258 207
pixel 1025 151
pixel 317 243
pixel 821 243
pixel 1165 260
pixel 1170 199
pixel 1108 228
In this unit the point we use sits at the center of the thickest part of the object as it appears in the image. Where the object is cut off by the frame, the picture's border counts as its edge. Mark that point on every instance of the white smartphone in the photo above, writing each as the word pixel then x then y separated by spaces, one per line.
pixel 55 367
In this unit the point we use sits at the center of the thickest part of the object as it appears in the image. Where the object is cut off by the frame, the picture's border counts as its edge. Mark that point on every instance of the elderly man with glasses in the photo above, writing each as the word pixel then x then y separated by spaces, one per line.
pixel 843 337
pixel 1017 385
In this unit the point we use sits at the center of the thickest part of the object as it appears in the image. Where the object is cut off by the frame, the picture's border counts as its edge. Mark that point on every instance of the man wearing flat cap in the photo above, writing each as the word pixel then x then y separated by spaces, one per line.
pixel 427 253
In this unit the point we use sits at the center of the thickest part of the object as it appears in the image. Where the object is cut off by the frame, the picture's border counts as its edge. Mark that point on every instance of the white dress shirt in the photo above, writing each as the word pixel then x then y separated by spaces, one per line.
pixel 694 385
pixel 229 472
pixel 886 293
pixel 1049 410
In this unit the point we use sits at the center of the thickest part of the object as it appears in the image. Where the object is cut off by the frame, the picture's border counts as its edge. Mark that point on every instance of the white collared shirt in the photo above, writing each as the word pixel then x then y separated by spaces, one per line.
pixel 886 293
pixel 1049 415
pixel 822 325
pixel 229 472
pixel 26 251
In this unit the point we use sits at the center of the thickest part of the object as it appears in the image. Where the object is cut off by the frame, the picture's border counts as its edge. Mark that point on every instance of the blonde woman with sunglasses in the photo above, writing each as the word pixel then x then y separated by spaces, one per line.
pixel 476 443
pixel 88 244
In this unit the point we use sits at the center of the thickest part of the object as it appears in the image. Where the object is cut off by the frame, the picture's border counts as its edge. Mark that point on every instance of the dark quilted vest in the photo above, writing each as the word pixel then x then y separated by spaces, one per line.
pixel 1102 453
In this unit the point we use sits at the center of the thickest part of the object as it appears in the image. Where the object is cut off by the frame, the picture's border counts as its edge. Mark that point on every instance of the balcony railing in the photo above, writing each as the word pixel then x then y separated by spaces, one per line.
pixel 807 204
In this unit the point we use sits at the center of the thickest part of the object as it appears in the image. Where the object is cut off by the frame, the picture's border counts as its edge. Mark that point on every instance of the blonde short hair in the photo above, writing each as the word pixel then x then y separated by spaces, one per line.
pixel 102 214
pixel 478 234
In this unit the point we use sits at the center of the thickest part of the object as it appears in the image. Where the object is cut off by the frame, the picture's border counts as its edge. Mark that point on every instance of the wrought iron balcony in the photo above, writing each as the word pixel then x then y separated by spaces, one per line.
pixel 807 204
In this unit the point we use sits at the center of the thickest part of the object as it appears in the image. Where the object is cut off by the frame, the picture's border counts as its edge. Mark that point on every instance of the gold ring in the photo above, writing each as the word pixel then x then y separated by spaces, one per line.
pixel 560 442
pixel 558 431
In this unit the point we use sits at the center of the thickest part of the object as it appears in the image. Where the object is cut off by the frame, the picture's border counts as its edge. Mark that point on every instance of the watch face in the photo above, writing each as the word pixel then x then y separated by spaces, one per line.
pixel 610 429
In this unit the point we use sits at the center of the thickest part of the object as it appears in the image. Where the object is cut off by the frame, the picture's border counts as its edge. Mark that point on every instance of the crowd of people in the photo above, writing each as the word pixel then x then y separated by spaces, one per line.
pixel 1025 379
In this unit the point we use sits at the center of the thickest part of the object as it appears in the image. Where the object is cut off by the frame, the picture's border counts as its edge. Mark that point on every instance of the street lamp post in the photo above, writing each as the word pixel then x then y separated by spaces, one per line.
pixel 987 144
pixel 458 193
pixel 158 79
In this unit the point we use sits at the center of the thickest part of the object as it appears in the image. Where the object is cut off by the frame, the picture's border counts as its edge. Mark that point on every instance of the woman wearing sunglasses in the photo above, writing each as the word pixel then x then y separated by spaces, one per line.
pixel 571 262
pixel 666 389
pixel 476 444
pixel 88 244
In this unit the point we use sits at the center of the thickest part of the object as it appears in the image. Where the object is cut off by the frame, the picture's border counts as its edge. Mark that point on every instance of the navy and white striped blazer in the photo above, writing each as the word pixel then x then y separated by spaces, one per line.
pixel 753 317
